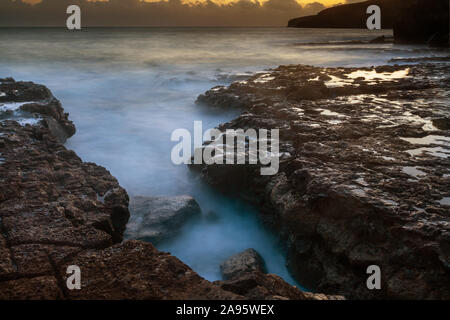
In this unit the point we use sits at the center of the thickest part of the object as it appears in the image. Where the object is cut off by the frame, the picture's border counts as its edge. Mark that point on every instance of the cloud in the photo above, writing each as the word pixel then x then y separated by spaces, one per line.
pixel 162 13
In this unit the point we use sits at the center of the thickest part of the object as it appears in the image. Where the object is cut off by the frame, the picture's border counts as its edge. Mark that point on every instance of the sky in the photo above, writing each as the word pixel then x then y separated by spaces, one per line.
pixel 161 12
pixel 324 2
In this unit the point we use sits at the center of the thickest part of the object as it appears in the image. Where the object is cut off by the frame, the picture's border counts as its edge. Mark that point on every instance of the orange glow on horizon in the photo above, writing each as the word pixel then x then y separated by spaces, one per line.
pixel 324 2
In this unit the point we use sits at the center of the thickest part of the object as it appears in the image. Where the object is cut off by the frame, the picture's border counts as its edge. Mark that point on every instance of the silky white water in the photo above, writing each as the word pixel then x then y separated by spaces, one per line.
pixel 127 89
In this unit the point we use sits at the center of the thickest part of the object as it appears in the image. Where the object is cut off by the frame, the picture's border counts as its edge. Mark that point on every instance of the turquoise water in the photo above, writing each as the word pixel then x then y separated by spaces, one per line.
pixel 127 89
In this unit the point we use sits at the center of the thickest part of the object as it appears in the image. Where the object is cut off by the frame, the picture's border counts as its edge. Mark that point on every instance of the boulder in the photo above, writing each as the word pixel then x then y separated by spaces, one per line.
pixel 242 263
pixel 156 218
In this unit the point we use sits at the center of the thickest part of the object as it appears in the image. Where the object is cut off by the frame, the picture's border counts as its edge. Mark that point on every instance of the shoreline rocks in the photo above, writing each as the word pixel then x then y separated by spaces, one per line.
pixel 27 102
pixel 57 211
pixel 258 286
pixel 364 178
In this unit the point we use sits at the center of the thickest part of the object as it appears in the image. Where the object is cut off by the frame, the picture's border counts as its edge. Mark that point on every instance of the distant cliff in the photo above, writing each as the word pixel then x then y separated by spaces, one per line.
pixel 352 15
pixel 413 21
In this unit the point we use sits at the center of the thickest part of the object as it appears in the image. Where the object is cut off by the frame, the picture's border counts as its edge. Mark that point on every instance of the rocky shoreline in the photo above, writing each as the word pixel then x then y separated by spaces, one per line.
pixel 364 176
pixel 57 211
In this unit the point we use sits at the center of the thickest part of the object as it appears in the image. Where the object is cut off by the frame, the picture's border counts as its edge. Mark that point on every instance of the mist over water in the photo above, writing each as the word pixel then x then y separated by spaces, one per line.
pixel 127 89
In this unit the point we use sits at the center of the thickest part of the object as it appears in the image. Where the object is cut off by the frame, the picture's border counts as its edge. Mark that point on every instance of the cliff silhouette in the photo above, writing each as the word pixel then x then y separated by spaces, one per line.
pixel 413 21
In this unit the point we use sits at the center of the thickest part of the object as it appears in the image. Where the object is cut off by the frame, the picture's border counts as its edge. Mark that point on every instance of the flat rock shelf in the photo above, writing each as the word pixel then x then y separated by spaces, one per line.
pixel 364 175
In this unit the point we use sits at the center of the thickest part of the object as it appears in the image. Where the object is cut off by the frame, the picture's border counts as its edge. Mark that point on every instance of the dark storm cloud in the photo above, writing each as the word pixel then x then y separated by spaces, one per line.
pixel 163 13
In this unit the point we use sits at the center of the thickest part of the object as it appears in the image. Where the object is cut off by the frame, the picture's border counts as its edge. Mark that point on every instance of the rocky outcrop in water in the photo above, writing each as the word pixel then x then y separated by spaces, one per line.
pixel 57 211
pixel 156 218
pixel 27 102
pixel 242 263
pixel 364 175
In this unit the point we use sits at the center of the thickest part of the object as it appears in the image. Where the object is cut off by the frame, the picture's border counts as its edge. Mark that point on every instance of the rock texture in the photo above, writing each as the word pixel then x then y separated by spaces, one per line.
pixel 364 174
pixel 27 102
pixel 258 286
pixel 57 211
pixel 241 263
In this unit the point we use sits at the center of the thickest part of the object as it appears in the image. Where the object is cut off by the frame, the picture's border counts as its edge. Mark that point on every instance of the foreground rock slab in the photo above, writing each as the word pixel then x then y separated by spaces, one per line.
pixel 258 286
pixel 364 176
pixel 157 218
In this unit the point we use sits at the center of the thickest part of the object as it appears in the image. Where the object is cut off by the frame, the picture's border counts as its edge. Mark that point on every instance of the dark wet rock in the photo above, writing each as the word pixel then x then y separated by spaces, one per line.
pixel 442 123
pixel 241 263
pixel 38 104
pixel 382 39
pixel 363 175
pixel 156 218
pixel 258 286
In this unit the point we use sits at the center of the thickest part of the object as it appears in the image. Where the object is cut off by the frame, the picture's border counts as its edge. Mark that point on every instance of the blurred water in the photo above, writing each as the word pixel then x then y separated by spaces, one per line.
pixel 128 89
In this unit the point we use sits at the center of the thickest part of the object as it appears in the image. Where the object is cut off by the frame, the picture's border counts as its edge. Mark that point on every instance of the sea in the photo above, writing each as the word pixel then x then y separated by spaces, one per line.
pixel 128 89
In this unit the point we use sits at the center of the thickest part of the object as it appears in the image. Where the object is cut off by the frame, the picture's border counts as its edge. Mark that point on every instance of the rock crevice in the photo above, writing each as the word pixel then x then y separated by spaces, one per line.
pixel 57 211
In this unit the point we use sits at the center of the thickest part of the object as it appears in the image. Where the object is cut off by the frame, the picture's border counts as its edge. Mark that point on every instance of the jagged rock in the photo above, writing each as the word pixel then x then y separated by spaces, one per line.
pixel 39 104
pixel 56 210
pixel 156 218
pixel 241 263
pixel 364 178
pixel 258 286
